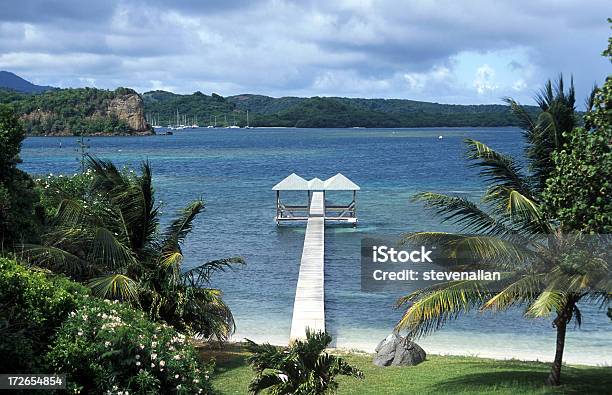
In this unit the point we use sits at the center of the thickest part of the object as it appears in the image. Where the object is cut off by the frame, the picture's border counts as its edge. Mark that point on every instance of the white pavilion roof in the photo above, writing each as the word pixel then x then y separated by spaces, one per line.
pixel 293 182
pixel 340 183
pixel 316 184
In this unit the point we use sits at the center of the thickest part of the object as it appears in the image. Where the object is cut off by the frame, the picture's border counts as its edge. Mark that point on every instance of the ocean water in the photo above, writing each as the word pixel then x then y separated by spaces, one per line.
pixel 233 170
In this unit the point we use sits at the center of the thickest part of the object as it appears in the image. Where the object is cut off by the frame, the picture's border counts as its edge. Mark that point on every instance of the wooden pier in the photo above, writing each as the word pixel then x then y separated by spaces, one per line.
pixel 309 305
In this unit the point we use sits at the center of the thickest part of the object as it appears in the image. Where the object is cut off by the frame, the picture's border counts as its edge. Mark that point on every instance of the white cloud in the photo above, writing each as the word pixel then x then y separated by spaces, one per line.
pixel 418 82
pixel 372 48
pixel 485 80
pixel 519 85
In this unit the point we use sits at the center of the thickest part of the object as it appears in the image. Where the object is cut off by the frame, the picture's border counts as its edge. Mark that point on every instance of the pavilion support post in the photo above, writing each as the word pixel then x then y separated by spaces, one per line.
pixel 355 208
pixel 277 207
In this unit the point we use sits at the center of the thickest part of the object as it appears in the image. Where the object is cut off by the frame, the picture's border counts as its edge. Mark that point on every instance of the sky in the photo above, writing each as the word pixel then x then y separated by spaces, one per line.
pixel 462 52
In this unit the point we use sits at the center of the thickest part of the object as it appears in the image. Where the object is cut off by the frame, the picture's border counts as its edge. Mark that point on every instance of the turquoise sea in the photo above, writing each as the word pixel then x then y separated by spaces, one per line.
pixel 234 171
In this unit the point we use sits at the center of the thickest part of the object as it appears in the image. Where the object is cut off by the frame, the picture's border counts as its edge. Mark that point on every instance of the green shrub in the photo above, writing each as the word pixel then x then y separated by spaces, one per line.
pixel 32 307
pixel 50 324
pixel 106 346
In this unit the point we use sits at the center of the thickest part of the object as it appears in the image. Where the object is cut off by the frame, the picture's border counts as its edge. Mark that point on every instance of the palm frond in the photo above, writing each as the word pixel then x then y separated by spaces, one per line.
pixel 497 168
pixel 108 251
pixel 511 206
pixel 70 212
pixel 56 259
pixel 523 290
pixel 432 307
pixel 115 286
pixel 180 227
pixel 461 211
pixel 200 275
pixel 472 248
pixel 267 380
pixel 521 113
pixel 548 301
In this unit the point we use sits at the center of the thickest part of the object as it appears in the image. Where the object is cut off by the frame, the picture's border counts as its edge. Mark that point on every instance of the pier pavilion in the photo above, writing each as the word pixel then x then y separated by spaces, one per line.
pixel 336 213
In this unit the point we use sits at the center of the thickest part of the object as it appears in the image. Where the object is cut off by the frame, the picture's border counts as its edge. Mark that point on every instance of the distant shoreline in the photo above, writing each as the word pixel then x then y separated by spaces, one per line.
pixel 163 130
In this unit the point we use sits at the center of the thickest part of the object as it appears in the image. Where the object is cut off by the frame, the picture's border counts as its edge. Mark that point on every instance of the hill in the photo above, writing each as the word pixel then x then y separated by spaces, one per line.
pixel 322 111
pixel 14 82
pixel 79 111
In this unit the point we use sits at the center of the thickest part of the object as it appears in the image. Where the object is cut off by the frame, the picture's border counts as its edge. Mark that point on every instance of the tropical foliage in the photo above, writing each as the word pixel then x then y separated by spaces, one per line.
pixel 32 307
pixel 105 233
pixel 544 270
pixel 19 219
pixel 51 324
pixel 579 189
pixel 545 134
pixel 302 369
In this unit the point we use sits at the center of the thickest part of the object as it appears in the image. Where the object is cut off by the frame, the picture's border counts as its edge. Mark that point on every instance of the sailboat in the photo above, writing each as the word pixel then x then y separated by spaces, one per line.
pixel 247 125
pixel 213 125
pixel 234 126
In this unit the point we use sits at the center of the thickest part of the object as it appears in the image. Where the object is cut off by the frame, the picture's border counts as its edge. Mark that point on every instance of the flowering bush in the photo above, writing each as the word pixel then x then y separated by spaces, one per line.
pixel 52 189
pixel 32 307
pixel 109 347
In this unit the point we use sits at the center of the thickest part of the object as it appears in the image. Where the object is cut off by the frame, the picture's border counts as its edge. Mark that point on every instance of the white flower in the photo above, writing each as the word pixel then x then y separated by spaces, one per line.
pixel 176 376
pixel 153 344
pixel 137 363
pixel 142 346
pixel 152 365
pixel 80 333
pixel 162 363
pixel 178 387
pixel 176 357
pixel 196 381
pixel 153 356
pixel 137 356
pixel 107 343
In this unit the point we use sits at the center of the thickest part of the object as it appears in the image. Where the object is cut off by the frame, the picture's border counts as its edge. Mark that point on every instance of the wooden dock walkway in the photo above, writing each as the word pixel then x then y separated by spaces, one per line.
pixel 309 305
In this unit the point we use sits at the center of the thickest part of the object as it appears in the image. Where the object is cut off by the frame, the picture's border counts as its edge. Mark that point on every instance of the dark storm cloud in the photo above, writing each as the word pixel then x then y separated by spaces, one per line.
pixel 445 51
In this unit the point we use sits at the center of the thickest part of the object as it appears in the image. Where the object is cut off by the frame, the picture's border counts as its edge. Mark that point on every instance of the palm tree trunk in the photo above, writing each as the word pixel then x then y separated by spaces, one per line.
pixel 563 317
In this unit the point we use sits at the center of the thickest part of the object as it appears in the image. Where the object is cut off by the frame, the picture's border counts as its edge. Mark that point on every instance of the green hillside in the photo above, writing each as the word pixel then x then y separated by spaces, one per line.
pixel 79 111
pixel 321 111
pixel 162 106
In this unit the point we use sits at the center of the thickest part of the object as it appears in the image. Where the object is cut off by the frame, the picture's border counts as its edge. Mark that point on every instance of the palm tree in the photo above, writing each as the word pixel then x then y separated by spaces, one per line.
pixel 110 240
pixel 302 369
pixel 542 269
pixel 544 134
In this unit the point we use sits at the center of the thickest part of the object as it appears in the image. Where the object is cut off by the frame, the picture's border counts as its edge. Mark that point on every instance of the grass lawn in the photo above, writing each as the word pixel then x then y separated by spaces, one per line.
pixel 438 374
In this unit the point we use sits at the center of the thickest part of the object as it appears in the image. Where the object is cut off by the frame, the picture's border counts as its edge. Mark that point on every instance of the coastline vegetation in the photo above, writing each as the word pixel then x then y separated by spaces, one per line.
pixel 322 112
pixel 68 111
pixel 530 224
pixel 104 232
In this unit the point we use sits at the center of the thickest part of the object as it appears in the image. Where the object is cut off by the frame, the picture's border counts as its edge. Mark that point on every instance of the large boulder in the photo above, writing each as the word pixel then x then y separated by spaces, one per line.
pixel 385 351
pixel 398 351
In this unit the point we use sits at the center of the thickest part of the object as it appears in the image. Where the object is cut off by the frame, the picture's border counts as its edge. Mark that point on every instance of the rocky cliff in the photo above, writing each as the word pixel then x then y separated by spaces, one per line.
pixel 87 111
pixel 130 109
